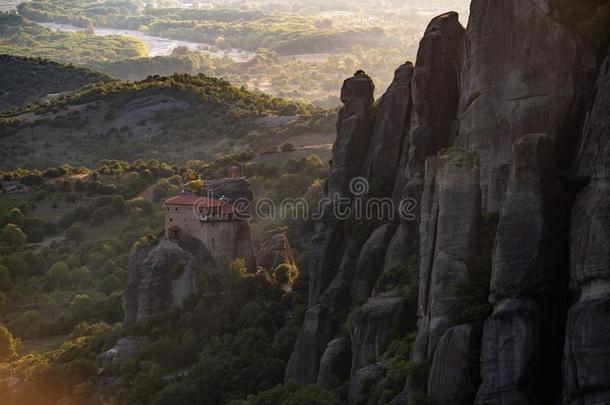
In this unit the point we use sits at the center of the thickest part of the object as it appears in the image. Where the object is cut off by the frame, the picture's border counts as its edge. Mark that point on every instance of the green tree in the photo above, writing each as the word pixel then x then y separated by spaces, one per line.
pixel 12 236
pixel 111 284
pixel 15 216
pixel 8 344
pixel 58 274
pixel 76 232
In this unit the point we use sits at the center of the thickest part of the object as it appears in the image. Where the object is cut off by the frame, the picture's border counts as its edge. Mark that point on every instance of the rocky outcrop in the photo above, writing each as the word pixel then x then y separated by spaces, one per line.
pixel 275 250
pixel 522 73
pixel 452 374
pixel 231 189
pixel 587 342
pixel 389 133
pixel 435 101
pixel 109 361
pixel 162 276
pixel 372 326
pixel 335 362
pixel 353 134
pixel 521 339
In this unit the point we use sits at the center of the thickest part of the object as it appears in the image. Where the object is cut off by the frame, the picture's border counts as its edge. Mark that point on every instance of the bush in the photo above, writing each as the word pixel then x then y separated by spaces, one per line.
pixel 76 232
pixel 8 344
pixel 101 215
pixel 12 236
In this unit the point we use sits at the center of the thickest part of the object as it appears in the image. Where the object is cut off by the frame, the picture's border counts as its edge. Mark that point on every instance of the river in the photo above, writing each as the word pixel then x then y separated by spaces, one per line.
pixel 158 46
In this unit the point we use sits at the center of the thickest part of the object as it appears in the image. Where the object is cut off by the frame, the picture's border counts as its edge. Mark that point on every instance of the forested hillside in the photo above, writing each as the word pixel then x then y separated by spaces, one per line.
pixel 27 80
pixel 175 118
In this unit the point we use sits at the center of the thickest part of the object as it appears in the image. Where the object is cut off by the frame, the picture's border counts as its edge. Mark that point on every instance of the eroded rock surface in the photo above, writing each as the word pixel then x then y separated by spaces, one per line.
pixel 161 277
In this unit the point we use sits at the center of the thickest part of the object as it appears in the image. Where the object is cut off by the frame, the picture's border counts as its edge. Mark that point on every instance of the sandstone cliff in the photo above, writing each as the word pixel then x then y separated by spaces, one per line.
pixel 506 119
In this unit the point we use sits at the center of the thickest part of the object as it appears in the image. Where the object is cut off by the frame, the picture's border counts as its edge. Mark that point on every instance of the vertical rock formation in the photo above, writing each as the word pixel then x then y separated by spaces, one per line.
pixel 349 153
pixel 161 277
pixel 353 133
pixel 335 362
pixel 351 256
pixel 435 100
pixel 451 381
pixel 450 234
pixel 373 325
pixel 521 74
pixel 484 123
pixel 522 338
pixel 587 344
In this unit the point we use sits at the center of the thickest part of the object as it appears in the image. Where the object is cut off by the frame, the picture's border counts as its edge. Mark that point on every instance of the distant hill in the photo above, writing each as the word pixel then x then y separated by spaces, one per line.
pixel 27 80
pixel 174 118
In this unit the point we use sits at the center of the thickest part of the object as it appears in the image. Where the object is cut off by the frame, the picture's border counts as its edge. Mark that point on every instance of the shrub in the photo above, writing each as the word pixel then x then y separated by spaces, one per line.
pixel 12 236
pixel 8 344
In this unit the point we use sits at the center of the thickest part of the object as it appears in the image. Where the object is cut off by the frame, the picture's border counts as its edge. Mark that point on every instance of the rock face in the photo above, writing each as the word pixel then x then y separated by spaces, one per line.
pixel 335 361
pixel 450 234
pixel 370 263
pixel 373 324
pixel 353 133
pixel 366 376
pixel 522 73
pixel 110 360
pixel 520 339
pixel 275 250
pixel 312 340
pixel 435 100
pixel 451 374
pixel 389 133
pixel 483 125
pixel 161 277
pixel 587 344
